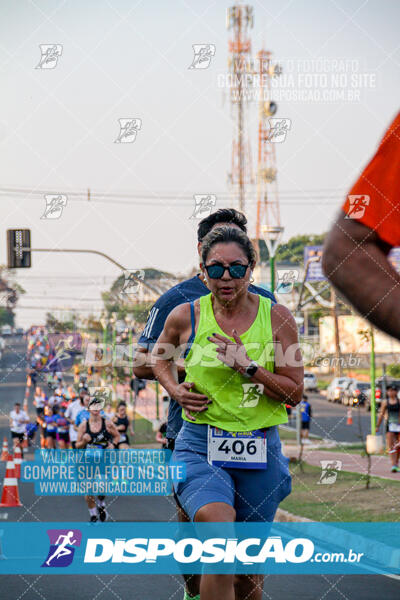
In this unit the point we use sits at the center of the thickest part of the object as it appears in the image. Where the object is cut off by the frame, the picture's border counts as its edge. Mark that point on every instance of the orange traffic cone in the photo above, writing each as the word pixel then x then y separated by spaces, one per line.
pixel 10 495
pixel 17 461
pixel 349 417
pixel 25 441
pixel 4 452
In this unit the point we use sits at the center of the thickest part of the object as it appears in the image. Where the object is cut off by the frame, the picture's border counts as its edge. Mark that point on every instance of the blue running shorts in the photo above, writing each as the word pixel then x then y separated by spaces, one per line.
pixel 254 493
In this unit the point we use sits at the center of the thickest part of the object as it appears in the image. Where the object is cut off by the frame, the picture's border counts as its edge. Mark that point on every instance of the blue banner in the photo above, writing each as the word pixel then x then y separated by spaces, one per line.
pixel 314 255
pixel 173 548
pixel 94 471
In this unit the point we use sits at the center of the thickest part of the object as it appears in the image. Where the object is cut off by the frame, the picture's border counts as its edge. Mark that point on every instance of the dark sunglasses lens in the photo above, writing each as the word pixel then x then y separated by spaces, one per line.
pixel 215 271
pixel 237 271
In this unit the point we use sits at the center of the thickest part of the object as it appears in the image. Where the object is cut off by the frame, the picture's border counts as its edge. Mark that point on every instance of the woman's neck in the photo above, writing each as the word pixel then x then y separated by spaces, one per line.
pixel 227 309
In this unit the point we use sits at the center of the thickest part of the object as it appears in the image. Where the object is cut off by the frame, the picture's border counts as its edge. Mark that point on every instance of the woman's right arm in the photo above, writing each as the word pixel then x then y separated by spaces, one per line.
pixel 176 325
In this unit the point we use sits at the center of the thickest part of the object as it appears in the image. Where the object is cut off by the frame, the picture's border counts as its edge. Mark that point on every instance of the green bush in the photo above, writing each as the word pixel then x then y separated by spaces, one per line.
pixel 393 370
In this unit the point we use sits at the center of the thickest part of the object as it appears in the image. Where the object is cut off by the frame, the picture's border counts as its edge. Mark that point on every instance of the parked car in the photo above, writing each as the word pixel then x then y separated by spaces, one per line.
pixel 6 330
pixel 356 393
pixel 335 389
pixel 310 382
pixel 19 331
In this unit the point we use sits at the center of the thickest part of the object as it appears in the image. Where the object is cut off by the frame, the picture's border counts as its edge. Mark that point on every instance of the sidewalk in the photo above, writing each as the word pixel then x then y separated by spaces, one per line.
pixel 380 464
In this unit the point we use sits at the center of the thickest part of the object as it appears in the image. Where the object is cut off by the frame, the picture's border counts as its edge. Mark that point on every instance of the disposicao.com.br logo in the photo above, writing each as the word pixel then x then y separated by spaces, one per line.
pixel 62 547
pixel 192 550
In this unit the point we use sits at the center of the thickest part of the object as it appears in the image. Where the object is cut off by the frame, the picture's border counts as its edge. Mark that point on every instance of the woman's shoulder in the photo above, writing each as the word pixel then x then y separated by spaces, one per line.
pixel 280 311
pixel 181 314
pixel 282 318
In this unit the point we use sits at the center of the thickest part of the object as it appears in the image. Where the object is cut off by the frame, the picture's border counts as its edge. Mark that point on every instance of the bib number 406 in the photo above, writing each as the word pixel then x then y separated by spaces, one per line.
pixel 238 447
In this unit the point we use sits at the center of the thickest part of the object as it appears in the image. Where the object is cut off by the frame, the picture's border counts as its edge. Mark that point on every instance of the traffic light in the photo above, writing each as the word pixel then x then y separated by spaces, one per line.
pixel 16 240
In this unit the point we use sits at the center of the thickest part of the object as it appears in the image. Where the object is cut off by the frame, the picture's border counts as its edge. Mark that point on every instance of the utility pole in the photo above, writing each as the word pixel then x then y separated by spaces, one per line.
pixel 338 358
pixel 372 374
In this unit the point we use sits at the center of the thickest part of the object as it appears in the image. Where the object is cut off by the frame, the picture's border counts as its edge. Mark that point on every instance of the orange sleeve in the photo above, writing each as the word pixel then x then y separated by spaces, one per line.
pixel 378 189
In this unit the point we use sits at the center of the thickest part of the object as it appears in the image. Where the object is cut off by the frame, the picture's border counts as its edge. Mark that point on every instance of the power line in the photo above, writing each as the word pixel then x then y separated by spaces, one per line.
pixel 288 197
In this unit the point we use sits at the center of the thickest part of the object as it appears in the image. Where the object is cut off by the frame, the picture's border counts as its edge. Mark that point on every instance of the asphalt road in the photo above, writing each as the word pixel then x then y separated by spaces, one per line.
pixel 329 421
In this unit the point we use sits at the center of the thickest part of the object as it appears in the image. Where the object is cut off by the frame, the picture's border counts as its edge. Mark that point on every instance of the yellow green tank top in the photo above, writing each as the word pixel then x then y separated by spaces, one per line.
pixel 237 403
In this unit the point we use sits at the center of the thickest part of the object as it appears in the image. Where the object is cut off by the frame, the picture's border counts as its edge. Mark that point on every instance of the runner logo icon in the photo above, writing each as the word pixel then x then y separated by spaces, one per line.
pixel 252 393
pixel 62 547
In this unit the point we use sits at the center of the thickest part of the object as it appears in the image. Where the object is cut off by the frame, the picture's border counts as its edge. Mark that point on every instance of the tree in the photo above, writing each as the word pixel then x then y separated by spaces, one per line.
pixel 54 325
pixel 293 250
pixel 10 291
pixel 393 370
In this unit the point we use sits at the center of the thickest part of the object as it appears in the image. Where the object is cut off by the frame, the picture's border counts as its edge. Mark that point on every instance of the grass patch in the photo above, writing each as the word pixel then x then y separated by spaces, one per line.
pixel 322 384
pixel 286 435
pixel 352 449
pixel 143 431
pixel 346 500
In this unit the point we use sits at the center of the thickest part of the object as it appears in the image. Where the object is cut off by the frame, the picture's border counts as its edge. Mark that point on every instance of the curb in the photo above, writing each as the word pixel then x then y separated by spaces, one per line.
pixel 284 516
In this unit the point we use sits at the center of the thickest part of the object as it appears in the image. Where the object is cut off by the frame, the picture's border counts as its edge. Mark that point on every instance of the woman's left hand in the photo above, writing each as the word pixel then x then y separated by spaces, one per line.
pixel 232 354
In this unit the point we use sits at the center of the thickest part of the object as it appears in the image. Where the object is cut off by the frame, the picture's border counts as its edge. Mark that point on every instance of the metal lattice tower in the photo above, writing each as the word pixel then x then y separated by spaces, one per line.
pixel 268 212
pixel 239 21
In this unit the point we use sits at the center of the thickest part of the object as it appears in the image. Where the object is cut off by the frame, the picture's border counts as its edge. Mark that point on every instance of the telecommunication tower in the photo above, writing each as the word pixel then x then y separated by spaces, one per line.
pixel 268 212
pixel 239 22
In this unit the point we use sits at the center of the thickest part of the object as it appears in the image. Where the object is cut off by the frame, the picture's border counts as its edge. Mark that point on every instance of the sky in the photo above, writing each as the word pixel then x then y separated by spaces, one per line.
pixel 126 59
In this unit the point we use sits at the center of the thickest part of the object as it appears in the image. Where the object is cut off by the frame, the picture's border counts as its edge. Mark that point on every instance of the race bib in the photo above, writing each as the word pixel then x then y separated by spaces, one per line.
pixel 239 450
pixel 394 427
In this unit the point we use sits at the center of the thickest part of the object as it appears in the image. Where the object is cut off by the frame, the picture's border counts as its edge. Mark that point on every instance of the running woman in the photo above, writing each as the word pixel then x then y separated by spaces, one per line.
pixel 74 408
pixel 39 400
pixel 49 425
pixel 122 423
pixel 39 403
pixel 18 421
pixel 186 291
pixel 62 429
pixel 97 432
pixel 234 333
pixel 391 409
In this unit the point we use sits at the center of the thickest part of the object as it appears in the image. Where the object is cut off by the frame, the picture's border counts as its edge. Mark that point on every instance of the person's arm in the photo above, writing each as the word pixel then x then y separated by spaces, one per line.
pixel 114 421
pixel 111 428
pixel 143 361
pixel 285 384
pixel 177 323
pixel 83 437
pixel 143 371
pixel 159 437
pixel 68 415
pixel 355 261
pixel 381 414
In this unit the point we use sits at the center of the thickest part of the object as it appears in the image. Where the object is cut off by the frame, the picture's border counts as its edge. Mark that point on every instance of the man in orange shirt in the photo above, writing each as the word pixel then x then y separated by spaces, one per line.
pixel 355 257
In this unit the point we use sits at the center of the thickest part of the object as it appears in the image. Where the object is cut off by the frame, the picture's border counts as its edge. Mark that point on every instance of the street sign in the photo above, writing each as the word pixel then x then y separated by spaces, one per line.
pixel 16 240
pixel 315 272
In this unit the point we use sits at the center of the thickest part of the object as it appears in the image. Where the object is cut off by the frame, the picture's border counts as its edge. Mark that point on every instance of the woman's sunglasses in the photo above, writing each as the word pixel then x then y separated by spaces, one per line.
pixel 217 271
